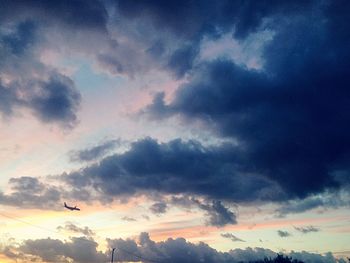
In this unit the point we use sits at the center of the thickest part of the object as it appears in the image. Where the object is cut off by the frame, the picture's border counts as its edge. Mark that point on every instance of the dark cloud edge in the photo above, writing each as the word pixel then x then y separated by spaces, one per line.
pixel 170 173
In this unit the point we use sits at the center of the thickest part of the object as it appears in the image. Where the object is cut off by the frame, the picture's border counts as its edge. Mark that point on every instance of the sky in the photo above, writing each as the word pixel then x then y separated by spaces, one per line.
pixel 185 131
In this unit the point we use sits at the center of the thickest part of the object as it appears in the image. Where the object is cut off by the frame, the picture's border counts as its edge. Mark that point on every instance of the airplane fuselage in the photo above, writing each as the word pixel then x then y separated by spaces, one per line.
pixel 71 207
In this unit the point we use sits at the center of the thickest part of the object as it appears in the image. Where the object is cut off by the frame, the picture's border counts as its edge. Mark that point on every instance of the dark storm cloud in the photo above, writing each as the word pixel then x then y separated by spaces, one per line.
pixel 182 59
pixel 21 39
pixel 191 21
pixel 29 192
pixel 291 118
pixel 273 123
pixel 165 15
pixel 232 237
pixel 194 18
pixel 79 27
pixel 176 167
pixel 283 233
pixel 88 14
pixel 54 100
pixel 93 153
pixel 51 96
pixel 58 100
pixel 307 229
pixel 13 44
pixel 184 22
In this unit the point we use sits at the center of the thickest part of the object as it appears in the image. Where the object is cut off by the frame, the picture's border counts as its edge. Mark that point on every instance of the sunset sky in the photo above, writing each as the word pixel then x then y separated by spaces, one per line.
pixel 185 130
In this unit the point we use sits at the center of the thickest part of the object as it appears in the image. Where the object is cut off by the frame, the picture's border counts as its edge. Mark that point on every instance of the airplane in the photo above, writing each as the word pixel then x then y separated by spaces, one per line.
pixel 71 207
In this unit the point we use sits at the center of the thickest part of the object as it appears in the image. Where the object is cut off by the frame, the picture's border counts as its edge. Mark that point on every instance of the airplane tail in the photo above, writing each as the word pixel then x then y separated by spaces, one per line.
pixel 65 204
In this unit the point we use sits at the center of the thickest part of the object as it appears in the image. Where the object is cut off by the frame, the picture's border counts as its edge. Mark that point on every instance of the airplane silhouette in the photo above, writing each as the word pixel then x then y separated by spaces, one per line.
pixel 71 207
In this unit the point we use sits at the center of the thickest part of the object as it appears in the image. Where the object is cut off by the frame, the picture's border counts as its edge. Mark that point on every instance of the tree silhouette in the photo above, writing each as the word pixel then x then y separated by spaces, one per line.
pixel 279 259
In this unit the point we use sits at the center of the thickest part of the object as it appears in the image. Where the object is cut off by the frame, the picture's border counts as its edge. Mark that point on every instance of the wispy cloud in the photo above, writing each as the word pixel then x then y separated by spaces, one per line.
pixel 307 229
pixel 232 237
pixel 70 227
pixel 283 233
pixel 93 153
pixel 128 219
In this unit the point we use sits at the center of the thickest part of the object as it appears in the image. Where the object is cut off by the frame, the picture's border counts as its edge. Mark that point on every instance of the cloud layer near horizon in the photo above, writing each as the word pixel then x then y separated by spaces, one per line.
pixel 84 249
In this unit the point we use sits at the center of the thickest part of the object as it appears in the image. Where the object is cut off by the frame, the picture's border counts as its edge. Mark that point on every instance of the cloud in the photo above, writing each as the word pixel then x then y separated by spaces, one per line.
pixel 41 193
pixel 175 167
pixel 283 149
pixel 79 14
pixel 170 38
pixel 159 208
pixel 177 28
pixel 146 217
pixel 218 214
pixel 282 233
pixel 52 100
pixel 21 39
pixel 26 184
pixel 180 250
pixel 171 250
pixel 70 227
pixel 307 229
pixel 8 100
pixel 290 118
pixel 196 18
pixel 128 219
pixel 29 192
pixel 300 206
pixel 118 46
pixel 232 237
pixel 314 258
pixel 182 60
pixel 57 100
pixel 181 26
pixel 93 153
pixel 78 249
pixel 251 254
pixel 27 84
pixel 84 249
pixel 324 201
pixel 200 100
